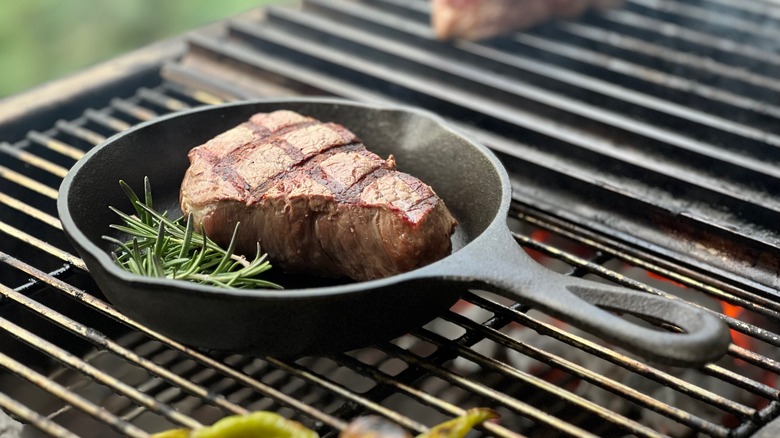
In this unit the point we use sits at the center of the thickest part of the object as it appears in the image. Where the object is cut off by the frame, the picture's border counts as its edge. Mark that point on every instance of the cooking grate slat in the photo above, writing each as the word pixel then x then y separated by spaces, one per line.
pixel 434 370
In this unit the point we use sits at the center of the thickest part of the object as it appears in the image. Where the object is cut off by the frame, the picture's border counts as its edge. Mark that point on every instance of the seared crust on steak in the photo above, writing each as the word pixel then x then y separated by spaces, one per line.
pixel 315 199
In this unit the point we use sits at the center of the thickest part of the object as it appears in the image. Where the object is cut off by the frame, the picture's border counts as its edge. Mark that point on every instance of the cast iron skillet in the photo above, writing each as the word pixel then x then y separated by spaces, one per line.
pixel 315 316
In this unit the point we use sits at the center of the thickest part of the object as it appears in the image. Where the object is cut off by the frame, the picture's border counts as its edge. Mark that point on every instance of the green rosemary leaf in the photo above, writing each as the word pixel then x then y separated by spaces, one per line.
pixel 231 247
pixel 148 197
pixel 185 245
pixel 159 269
pixel 131 196
pixel 160 242
pixel 131 221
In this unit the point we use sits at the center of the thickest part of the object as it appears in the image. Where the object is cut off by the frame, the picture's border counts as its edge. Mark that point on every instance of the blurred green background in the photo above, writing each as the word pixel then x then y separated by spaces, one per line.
pixel 46 39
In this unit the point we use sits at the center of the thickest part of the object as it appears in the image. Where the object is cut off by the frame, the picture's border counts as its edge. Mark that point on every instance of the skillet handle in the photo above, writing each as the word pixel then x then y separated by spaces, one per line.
pixel 585 304
pixel 582 303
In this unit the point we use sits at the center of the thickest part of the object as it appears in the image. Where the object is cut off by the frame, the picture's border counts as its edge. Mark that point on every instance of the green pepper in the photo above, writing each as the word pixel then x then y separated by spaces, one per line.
pixel 460 426
pixel 173 433
pixel 378 427
pixel 255 425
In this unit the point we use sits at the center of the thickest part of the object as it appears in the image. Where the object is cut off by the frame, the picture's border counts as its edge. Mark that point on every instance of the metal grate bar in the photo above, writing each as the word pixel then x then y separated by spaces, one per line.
pixel 107 120
pixel 264 64
pixel 28 182
pixel 323 382
pixel 196 95
pixel 30 416
pixel 80 132
pixel 761 8
pixel 55 145
pixel 671 82
pixel 167 102
pixel 129 108
pixel 69 397
pixel 42 245
pixel 693 14
pixel 30 211
pixel 757 388
pixel 33 160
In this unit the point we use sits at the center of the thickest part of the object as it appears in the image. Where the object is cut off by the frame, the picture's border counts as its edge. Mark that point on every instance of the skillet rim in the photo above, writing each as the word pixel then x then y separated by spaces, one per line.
pixel 434 270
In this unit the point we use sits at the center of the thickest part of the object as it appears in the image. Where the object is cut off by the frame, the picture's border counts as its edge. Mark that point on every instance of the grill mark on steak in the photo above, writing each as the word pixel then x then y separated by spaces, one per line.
pixel 332 187
pixel 308 167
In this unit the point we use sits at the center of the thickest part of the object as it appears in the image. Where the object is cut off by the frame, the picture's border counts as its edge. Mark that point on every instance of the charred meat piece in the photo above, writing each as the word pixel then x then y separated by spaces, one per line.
pixel 480 19
pixel 315 199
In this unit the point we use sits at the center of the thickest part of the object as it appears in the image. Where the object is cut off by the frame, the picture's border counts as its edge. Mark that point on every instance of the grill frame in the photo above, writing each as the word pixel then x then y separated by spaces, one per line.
pixel 48 151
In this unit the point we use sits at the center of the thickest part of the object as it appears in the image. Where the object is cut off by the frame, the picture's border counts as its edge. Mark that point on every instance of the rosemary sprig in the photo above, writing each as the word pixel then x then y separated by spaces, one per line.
pixel 161 247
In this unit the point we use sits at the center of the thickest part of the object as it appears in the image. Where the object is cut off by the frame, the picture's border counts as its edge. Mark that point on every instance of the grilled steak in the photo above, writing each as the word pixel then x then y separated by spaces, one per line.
pixel 315 199
pixel 479 19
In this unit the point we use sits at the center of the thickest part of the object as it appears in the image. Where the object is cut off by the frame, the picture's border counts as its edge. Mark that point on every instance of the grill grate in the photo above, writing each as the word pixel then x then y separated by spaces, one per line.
pixel 641 145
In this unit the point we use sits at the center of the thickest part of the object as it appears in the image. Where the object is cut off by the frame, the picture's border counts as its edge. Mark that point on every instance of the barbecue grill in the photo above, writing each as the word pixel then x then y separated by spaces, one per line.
pixel 642 147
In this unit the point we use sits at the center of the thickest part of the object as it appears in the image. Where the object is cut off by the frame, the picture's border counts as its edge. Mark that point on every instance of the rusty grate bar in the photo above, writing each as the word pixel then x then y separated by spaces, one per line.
pixel 30 416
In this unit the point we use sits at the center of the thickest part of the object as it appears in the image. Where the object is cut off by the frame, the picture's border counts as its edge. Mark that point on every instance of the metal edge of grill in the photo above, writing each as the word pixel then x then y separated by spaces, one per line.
pixel 463 357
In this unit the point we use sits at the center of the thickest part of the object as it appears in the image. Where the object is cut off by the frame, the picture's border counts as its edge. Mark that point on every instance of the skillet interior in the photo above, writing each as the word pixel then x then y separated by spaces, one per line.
pixel 460 172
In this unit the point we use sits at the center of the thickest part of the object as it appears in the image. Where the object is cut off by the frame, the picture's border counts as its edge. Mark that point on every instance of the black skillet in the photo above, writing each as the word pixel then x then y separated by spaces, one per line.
pixel 319 316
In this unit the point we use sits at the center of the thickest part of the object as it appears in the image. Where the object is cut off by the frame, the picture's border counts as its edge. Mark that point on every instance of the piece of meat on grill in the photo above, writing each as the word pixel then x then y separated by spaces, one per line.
pixel 480 19
pixel 315 198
